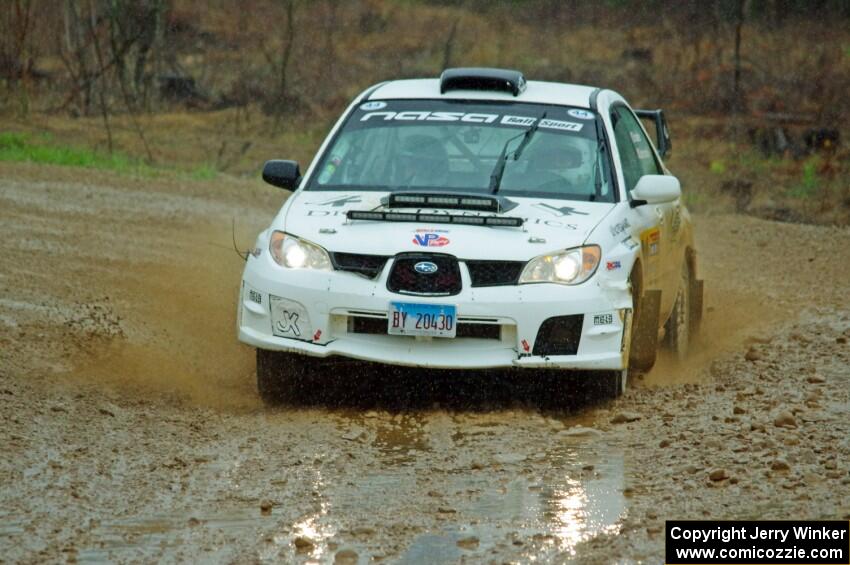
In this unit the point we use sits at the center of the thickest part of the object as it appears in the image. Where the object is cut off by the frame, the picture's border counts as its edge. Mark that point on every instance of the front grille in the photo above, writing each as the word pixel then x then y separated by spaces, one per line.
pixel 368 265
pixel 559 335
pixel 404 279
pixel 494 273
pixel 378 326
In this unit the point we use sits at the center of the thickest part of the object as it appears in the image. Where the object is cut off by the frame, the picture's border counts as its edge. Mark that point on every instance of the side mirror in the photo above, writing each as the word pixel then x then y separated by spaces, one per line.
pixel 662 134
pixel 656 189
pixel 283 174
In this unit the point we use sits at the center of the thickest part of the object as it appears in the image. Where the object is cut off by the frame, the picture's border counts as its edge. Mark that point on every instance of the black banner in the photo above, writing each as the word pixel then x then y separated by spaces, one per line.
pixel 694 542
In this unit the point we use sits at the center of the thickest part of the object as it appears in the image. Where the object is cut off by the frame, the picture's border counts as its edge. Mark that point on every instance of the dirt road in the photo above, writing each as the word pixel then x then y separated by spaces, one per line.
pixel 131 429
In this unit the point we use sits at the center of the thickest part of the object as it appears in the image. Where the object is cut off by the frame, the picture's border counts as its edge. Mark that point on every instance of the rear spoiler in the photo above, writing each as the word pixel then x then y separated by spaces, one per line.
pixel 662 135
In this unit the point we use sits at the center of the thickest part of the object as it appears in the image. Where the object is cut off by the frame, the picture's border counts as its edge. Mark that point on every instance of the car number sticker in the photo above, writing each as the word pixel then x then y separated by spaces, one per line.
pixel 603 319
pixel 375 105
pixel 581 114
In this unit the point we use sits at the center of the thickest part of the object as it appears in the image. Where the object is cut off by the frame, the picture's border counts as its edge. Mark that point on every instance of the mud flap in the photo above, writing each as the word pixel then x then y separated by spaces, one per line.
pixel 645 332
pixel 695 315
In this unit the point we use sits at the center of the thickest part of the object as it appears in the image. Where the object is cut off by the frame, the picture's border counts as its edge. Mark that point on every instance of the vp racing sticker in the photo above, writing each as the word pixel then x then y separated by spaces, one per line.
pixel 431 238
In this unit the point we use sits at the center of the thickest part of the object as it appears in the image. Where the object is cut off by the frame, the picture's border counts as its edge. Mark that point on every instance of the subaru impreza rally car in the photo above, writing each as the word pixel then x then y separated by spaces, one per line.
pixel 477 220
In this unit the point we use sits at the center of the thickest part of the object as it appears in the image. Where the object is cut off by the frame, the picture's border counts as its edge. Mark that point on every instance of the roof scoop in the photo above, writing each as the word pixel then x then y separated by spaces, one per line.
pixel 478 78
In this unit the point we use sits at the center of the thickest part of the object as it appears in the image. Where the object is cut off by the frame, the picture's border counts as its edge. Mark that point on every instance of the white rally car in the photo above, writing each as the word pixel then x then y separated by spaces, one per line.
pixel 475 221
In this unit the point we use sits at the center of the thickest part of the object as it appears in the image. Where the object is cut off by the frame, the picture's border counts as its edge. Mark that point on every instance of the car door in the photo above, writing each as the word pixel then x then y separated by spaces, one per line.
pixel 638 158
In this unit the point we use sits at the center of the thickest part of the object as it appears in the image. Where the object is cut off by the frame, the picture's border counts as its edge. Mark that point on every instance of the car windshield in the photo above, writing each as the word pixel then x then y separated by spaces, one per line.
pixel 439 145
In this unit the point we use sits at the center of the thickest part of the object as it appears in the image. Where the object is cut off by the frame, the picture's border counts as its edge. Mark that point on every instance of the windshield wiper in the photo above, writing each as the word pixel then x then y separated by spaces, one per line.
pixel 597 169
pixel 499 169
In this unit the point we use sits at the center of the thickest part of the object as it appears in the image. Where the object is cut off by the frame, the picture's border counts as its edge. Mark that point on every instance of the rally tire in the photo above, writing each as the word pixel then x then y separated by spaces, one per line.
pixel 281 376
pixel 679 326
pixel 643 348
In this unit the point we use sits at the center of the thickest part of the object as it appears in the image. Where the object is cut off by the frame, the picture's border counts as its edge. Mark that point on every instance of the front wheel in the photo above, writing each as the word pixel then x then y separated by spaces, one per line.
pixel 282 376
pixel 679 325
pixel 614 383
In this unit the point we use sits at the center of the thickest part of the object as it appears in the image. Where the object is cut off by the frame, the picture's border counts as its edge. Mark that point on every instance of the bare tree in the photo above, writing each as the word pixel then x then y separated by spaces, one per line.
pixel 16 57
pixel 283 69
pixel 737 95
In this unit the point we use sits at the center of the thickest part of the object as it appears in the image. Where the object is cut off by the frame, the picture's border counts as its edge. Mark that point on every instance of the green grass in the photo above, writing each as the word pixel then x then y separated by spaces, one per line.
pixel 40 149
pixel 22 147
pixel 809 181
pixel 204 172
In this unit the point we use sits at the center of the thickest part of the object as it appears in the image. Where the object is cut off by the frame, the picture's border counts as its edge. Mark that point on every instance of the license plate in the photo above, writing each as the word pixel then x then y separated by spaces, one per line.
pixel 436 320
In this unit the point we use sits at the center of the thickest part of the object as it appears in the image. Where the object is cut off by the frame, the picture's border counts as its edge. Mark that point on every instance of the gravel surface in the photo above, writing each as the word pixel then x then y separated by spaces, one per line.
pixel 132 430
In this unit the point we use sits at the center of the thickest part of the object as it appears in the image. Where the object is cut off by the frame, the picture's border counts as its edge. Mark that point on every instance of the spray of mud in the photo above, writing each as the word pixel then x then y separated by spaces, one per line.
pixel 180 318
pixel 180 340
pixel 731 319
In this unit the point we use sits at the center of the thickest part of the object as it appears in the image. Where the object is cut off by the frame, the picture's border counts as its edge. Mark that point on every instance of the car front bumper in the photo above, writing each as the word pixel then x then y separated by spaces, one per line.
pixel 322 314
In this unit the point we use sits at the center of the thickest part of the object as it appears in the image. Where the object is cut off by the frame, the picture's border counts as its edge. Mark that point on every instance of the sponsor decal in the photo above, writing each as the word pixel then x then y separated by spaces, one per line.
pixel 581 114
pixel 375 105
pixel 430 238
pixel 335 210
pixel 472 117
pixel 565 126
pixel 562 211
pixel 635 137
pixel 676 221
pixel 338 201
pixel 426 116
pixel 255 296
pixel 525 346
pixel 523 121
pixel 289 318
pixel 651 240
pixel 612 265
pixel 603 319
pixel 643 153
pixel 288 323
pixel 630 243
pixel 619 227
pixel 425 267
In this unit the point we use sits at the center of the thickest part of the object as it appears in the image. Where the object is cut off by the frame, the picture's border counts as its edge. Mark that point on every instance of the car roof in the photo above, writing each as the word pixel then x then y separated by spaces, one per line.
pixel 538 92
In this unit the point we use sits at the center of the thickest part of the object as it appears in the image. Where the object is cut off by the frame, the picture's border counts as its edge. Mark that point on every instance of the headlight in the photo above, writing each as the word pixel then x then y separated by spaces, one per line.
pixel 293 253
pixel 573 266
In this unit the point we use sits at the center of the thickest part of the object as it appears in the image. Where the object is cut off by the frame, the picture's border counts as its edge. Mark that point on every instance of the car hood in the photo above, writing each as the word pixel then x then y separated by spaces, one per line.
pixel 550 224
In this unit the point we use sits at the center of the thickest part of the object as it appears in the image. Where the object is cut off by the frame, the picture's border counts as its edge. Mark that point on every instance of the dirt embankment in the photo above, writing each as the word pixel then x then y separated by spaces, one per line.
pixel 133 430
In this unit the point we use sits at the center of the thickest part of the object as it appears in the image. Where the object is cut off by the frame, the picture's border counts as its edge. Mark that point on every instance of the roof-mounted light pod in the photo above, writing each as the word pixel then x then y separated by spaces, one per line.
pixel 475 78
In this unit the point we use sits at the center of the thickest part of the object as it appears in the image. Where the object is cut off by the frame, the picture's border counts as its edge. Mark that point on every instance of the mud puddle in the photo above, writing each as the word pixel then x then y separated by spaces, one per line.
pixel 550 517
pixel 575 497
pixel 146 538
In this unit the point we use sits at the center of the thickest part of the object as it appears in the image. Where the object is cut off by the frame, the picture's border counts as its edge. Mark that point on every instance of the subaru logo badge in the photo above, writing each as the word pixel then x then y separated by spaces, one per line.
pixel 425 267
